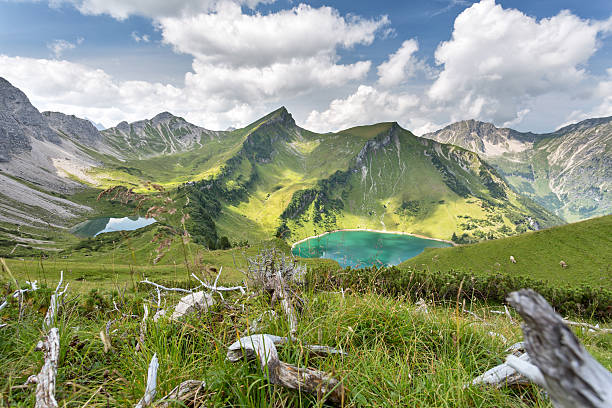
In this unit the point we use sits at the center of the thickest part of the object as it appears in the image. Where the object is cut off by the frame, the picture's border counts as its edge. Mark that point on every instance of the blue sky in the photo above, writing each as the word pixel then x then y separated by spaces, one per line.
pixel 530 65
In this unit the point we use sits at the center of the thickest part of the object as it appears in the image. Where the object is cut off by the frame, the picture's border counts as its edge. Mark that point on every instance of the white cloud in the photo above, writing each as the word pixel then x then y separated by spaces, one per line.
pixel 243 63
pixel 57 47
pixel 500 65
pixel 497 59
pixel 76 89
pixel 402 65
pixel 230 37
pixel 367 105
pixel 122 9
pixel 140 38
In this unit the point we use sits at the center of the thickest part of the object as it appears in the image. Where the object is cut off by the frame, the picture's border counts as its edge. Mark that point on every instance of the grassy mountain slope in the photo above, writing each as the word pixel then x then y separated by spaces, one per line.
pixel 586 247
pixel 401 182
pixel 273 177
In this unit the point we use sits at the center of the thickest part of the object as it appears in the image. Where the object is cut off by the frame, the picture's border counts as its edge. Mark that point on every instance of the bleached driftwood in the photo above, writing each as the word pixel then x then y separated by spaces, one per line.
pixel 45 380
pixel 191 303
pixel 281 294
pixel 189 393
pixel 158 286
pixel 19 292
pixel 151 387
pixel 263 347
pixel 143 328
pixel 588 326
pixel 51 315
pixel 558 362
pixel 218 289
pixel 503 374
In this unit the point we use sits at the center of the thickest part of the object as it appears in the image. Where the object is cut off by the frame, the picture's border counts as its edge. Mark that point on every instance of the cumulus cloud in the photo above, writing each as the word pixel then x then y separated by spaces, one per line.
pixel 229 36
pixel 497 59
pixel 122 9
pixel 402 65
pixel 243 62
pixel 367 105
pixel 496 66
pixel 77 89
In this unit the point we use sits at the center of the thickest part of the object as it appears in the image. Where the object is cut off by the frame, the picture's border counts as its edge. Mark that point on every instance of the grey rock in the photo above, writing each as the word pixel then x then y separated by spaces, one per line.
pixel 20 122
pixel 81 130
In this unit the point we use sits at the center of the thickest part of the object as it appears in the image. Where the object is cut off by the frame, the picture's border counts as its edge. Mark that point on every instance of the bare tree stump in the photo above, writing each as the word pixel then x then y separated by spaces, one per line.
pixel 559 363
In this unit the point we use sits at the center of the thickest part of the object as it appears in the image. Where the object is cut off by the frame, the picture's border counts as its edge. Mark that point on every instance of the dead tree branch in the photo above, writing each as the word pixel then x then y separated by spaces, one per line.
pixel 263 347
pixel 559 363
pixel 45 380
pixel 188 393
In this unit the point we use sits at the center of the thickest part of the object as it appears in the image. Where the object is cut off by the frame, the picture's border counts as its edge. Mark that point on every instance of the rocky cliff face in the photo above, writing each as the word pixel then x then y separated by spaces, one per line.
pixel 484 138
pixel 162 134
pixel 78 129
pixel 568 171
pixel 19 123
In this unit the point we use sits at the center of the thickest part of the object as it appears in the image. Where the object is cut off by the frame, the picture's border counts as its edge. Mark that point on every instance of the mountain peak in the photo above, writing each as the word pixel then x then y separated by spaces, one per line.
pixel 20 122
pixel 163 117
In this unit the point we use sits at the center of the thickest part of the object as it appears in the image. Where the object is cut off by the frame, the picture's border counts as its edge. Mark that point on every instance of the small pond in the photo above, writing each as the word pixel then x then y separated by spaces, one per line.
pixel 96 226
pixel 360 249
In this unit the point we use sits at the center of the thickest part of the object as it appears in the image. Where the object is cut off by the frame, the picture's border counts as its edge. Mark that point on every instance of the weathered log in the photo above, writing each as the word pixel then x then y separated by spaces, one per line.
pixel 189 393
pixel 263 347
pixel 151 388
pixel 45 380
pixel 559 363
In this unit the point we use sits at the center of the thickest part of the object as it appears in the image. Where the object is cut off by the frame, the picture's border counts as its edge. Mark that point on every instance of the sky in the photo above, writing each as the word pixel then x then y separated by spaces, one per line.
pixel 525 64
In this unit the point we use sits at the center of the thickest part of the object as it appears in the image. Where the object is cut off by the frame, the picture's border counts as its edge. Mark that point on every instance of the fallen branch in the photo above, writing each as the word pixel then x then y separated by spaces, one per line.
pixel 559 363
pixel 51 315
pixel 148 282
pixel 45 380
pixel 150 389
pixel 143 328
pixel 504 374
pixel 188 393
pixel 587 326
pixel 263 347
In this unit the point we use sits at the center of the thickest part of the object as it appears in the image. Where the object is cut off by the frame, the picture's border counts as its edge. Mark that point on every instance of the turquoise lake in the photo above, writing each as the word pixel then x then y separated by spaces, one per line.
pixel 97 226
pixel 360 249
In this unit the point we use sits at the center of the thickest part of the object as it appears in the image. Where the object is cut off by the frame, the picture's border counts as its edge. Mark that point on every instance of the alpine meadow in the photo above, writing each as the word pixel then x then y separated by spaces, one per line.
pixel 410 204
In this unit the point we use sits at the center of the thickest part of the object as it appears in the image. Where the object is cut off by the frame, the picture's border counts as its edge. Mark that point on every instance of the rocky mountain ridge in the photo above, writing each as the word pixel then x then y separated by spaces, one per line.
pixel 163 134
pixel 569 171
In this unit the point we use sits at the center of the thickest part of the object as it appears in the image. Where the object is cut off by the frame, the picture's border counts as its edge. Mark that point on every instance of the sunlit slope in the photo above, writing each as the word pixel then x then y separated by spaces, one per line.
pixel 585 247
pixel 400 182
pixel 273 177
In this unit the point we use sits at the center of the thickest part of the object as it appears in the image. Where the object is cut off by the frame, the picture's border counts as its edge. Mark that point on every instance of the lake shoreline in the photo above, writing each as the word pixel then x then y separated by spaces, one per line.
pixel 373 230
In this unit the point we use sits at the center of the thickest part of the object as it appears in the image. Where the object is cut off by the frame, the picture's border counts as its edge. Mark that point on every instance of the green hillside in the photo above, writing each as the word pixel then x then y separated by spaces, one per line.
pixel 275 178
pixel 586 248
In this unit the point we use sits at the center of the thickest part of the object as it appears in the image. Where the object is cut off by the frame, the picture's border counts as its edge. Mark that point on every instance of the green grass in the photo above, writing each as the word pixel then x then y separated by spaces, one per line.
pixel 586 247
pixel 396 355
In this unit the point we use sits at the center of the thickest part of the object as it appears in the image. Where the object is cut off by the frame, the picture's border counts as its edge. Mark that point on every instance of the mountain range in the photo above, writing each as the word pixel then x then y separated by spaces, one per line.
pixel 469 181
pixel 568 171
